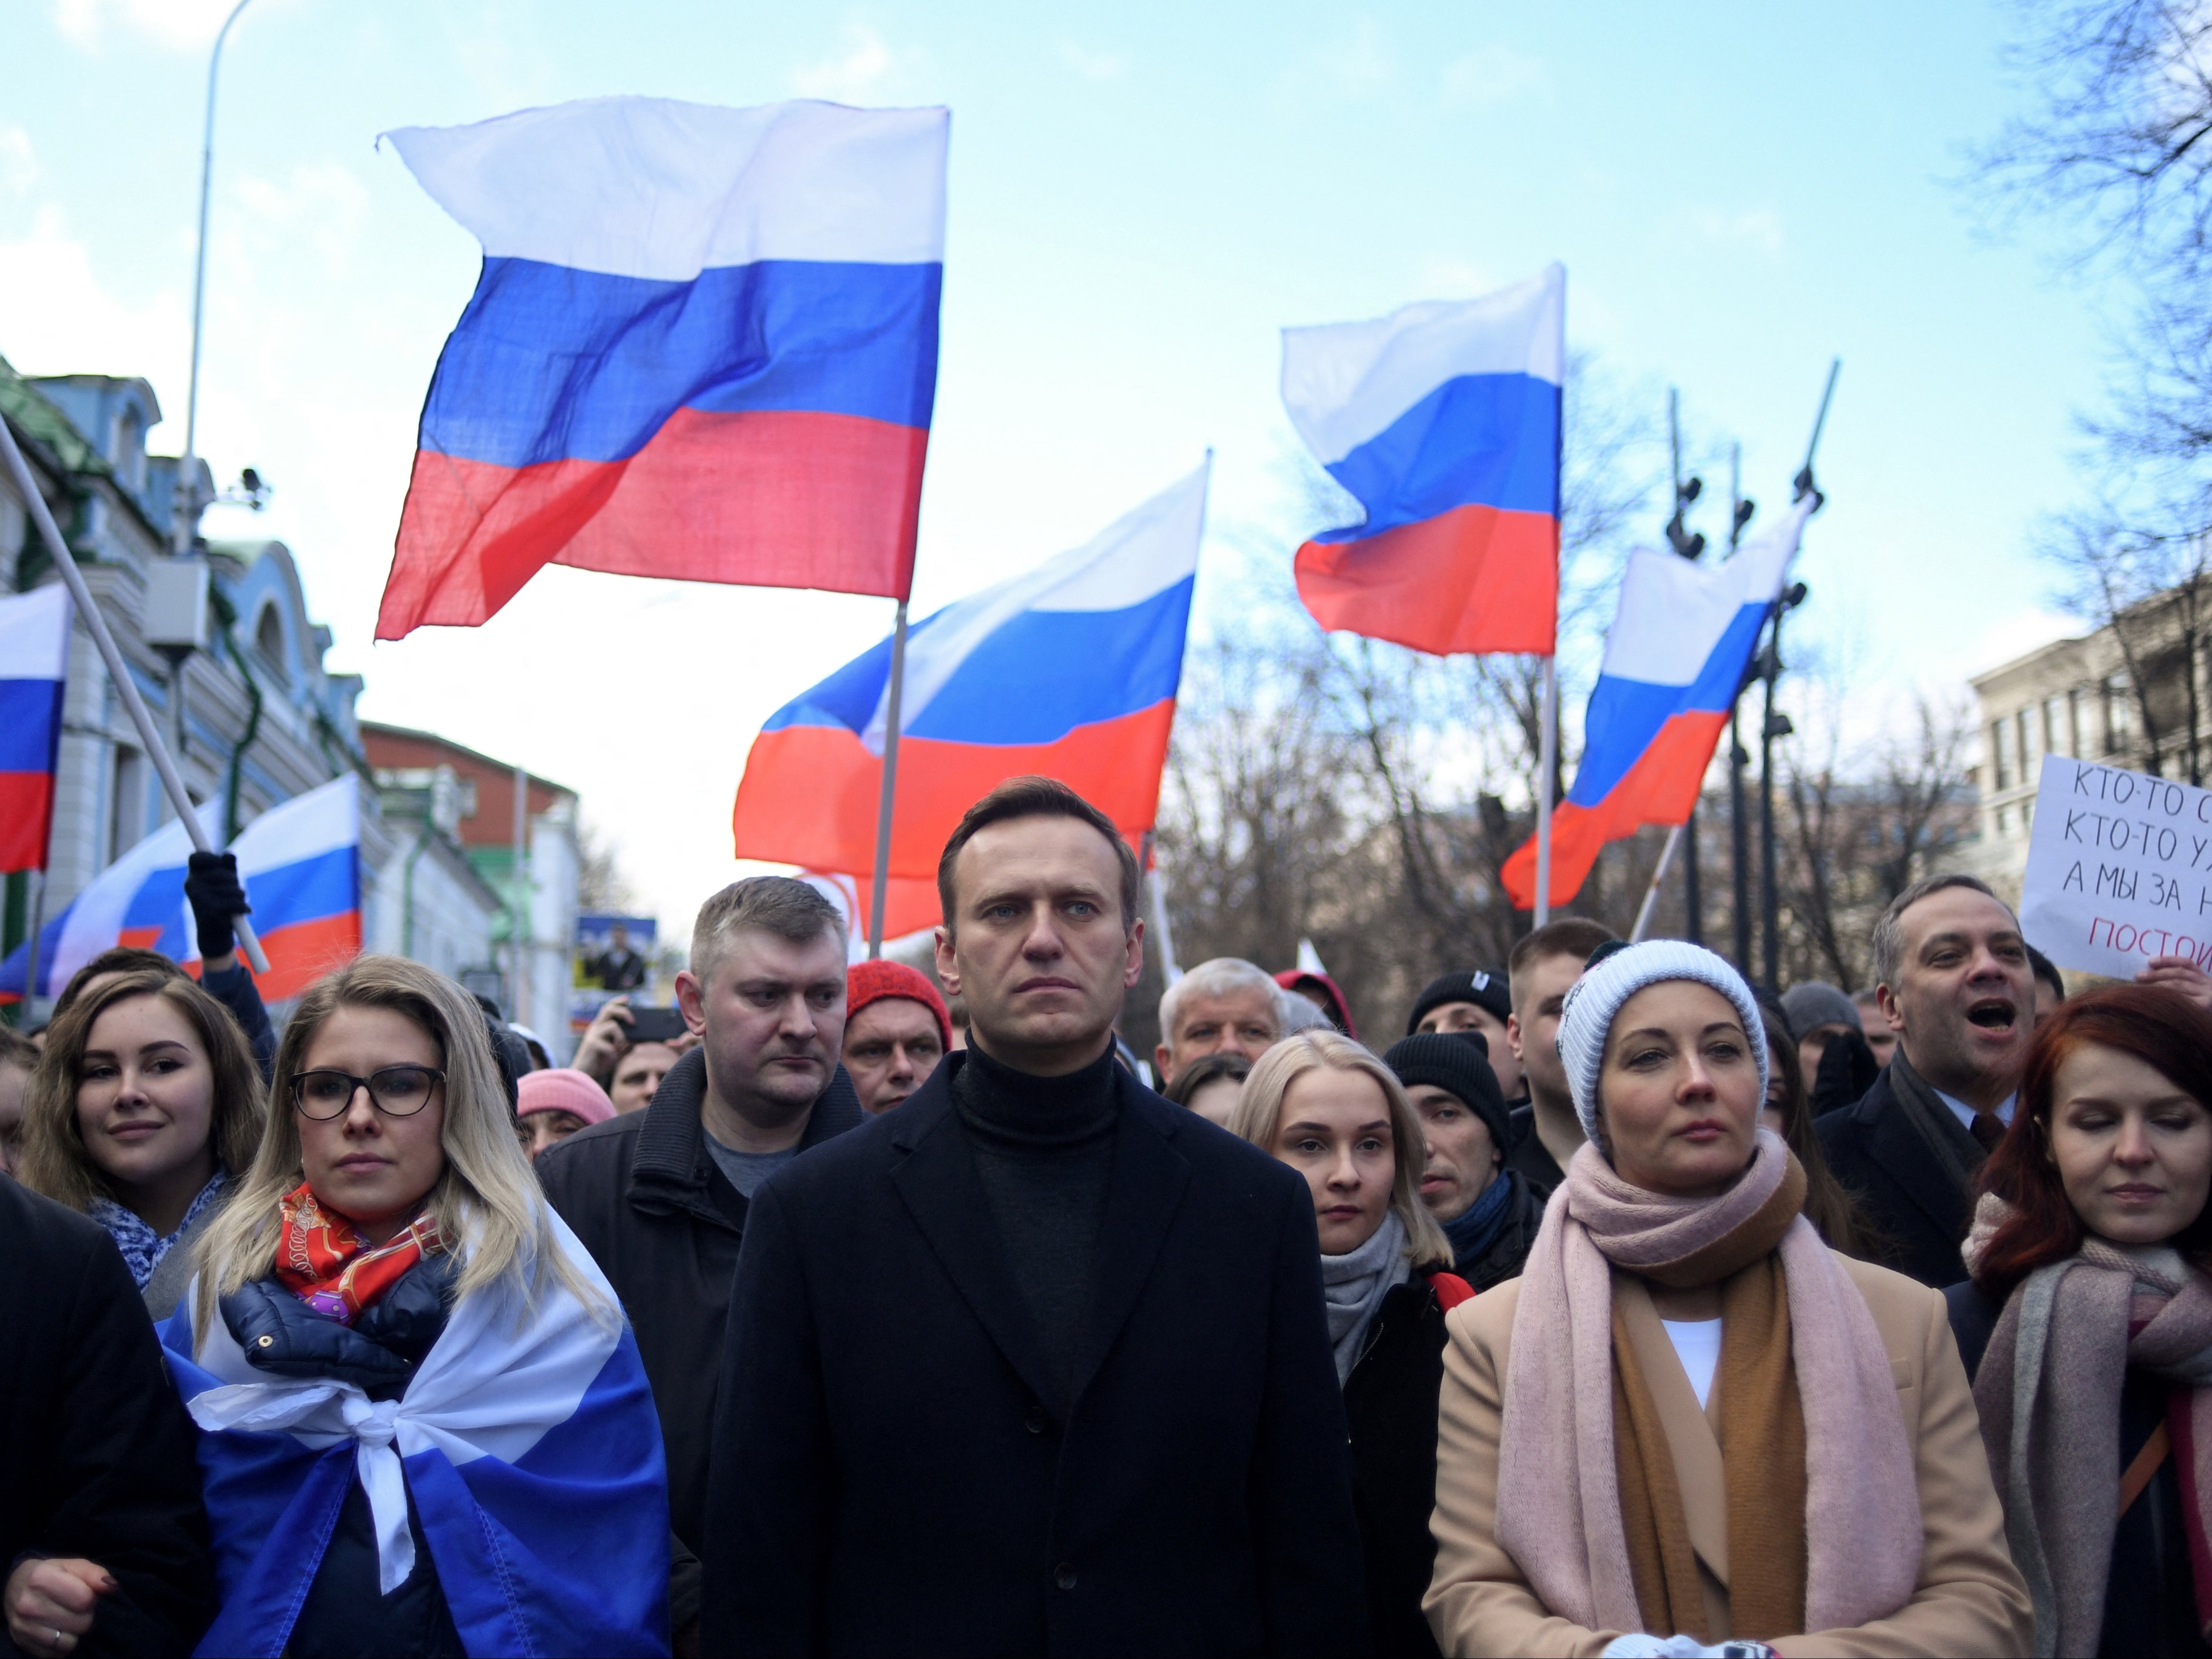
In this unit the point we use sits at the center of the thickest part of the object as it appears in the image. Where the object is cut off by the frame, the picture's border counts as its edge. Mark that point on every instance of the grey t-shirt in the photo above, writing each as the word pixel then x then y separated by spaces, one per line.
pixel 746 1171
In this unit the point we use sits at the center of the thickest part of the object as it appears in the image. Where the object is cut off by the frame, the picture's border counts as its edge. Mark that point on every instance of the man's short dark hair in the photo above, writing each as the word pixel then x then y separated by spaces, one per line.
pixel 1889 931
pixel 1035 797
pixel 783 905
pixel 1569 936
pixel 2047 971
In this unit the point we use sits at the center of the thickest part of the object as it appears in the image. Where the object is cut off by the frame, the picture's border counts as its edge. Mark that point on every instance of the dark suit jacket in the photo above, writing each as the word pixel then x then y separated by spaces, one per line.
pixel 887 1479
pixel 95 1449
pixel 1919 1213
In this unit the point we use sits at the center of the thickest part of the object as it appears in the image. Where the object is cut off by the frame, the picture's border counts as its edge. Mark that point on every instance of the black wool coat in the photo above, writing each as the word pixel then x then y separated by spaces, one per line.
pixel 1917 1214
pixel 649 1202
pixel 888 1480
pixel 1391 1399
pixel 96 1454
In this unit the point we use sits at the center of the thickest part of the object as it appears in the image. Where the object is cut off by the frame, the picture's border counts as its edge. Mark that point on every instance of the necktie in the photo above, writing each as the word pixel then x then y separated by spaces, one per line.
pixel 1988 1129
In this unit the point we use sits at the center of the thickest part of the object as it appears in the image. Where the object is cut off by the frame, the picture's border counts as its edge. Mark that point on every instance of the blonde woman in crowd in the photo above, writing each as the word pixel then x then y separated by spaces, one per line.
pixel 1690 1423
pixel 426 1429
pixel 1324 1105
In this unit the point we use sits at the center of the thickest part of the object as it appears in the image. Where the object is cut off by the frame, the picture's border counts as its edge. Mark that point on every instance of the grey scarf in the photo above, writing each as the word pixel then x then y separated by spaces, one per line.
pixel 2049 1393
pixel 1352 1287
pixel 1957 1154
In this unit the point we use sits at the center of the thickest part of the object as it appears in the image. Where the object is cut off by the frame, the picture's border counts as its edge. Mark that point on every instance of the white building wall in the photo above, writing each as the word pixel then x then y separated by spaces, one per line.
pixel 555 867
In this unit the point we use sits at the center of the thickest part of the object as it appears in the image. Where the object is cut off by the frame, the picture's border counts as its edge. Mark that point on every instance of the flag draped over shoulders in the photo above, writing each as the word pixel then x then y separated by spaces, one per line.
pixel 526 1438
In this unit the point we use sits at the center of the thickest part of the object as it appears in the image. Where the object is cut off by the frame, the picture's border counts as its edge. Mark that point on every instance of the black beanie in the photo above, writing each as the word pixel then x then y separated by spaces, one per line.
pixel 1458 1063
pixel 1488 992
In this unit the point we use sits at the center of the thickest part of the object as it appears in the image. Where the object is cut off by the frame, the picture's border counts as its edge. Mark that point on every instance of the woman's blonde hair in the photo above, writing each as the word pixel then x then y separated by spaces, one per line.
pixel 1260 1110
pixel 486 1192
pixel 55 1159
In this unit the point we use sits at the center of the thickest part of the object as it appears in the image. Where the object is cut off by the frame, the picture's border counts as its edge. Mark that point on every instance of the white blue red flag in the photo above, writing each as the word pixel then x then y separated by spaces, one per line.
pixel 34 634
pixel 1069 672
pixel 300 863
pixel 526 1440
pixel 703 345
pixel 1443 420
pixel 1674 663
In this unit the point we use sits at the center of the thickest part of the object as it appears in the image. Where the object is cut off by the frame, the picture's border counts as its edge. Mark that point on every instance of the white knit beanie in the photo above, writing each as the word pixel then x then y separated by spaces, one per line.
pixel 1586 1018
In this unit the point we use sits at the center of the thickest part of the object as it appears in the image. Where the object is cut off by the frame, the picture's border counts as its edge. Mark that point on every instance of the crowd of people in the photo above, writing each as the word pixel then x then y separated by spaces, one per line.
pixel 1612 1309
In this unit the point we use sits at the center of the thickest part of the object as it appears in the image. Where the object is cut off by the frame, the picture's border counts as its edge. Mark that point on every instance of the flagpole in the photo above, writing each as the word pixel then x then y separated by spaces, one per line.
pixel 1157 881
pixel 31 965
pixel 34 502
pixel 1651 893
pixel 1547 756
pixel 880 886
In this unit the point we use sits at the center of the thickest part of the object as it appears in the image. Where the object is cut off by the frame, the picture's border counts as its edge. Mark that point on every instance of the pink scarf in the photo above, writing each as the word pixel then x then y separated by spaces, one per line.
pixel 1558 1495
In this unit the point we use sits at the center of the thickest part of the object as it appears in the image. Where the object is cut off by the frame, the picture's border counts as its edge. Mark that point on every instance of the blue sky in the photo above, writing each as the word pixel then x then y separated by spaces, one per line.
pixel 1141 196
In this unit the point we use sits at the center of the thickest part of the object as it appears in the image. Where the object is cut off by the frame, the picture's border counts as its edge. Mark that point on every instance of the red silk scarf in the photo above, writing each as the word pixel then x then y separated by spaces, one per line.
pixel 325 1260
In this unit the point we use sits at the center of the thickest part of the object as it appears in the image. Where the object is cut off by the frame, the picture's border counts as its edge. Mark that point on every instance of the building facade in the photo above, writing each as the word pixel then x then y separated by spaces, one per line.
pixel 218 642
pixel 534 986
pixel 2081 697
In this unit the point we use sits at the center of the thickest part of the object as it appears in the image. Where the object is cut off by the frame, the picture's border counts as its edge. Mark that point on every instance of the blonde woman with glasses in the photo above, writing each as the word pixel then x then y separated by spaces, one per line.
pixel 425 1426
pixel 1324 1105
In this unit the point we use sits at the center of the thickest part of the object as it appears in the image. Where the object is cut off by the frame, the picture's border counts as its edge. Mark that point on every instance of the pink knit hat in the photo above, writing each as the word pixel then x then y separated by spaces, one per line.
pixel 564 1089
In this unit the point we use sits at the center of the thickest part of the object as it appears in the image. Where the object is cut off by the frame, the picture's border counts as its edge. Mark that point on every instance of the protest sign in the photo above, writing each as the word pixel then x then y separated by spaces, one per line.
pixel 2119 869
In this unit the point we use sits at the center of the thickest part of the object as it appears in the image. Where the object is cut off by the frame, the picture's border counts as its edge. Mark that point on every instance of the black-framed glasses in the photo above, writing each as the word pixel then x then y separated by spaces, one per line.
pixel 394 1091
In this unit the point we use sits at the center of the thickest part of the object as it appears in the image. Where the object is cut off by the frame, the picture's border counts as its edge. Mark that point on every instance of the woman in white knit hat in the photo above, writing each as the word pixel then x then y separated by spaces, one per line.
pixel 1690 1427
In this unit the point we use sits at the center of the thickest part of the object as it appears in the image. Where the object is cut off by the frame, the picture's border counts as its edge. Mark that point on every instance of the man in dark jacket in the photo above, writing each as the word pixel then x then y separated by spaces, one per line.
pixel 660 1197
pixel 1540 971
pixel 1036 1363
pixel 102 1536
pixel 1488 1211
pixel 1953 979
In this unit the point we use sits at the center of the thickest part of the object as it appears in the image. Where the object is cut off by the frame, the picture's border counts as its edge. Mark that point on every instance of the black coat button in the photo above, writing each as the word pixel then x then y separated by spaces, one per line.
pixel 1036 1422
pixel 1064 1575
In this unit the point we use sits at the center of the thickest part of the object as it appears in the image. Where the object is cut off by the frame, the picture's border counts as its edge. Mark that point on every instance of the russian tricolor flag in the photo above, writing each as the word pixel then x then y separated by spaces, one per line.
pixel 1674 663
pixel 301 866
pixel 703 345
pixel 35 635
pixel 1069 672
pixel 1444 419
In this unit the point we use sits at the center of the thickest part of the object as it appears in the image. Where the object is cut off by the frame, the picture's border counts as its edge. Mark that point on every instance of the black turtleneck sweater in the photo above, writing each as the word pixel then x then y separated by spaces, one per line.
pixel 1044 1150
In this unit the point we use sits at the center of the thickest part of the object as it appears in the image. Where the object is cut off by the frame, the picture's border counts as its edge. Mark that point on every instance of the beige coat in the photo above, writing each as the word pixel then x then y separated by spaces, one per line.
pixel 1969 1598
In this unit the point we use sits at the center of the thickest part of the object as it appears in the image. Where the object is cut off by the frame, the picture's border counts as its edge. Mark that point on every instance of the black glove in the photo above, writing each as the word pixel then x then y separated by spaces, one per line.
pixel 1848 1069
pixel 212 888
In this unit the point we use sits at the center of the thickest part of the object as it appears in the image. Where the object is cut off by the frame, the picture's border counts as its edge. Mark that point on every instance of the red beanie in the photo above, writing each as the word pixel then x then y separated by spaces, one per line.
pixel 872 981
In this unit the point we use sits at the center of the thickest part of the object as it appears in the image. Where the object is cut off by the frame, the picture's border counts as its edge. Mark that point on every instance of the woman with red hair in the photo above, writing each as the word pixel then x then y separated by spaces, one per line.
pixel 2088 1324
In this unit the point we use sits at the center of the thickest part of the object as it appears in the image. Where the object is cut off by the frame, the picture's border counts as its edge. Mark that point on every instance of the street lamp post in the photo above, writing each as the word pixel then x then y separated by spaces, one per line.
pixel 188 502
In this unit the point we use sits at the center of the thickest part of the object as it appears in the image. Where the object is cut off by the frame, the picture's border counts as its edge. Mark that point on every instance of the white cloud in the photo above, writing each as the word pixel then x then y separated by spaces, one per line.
pixel 323 202
pixel 869 69
pixel 60 320
pixel 19 166
pixel 1494 74
pixel 1758 230
pixel 1442 277
pixel 176 23
pixel 1356 65
pixel 1093 65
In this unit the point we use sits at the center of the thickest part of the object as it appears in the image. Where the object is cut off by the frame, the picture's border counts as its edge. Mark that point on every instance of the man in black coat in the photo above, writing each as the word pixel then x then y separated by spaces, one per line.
pixel 102 1535
pixel 660 1197
pixel 1036 1363
pixel 1954 980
